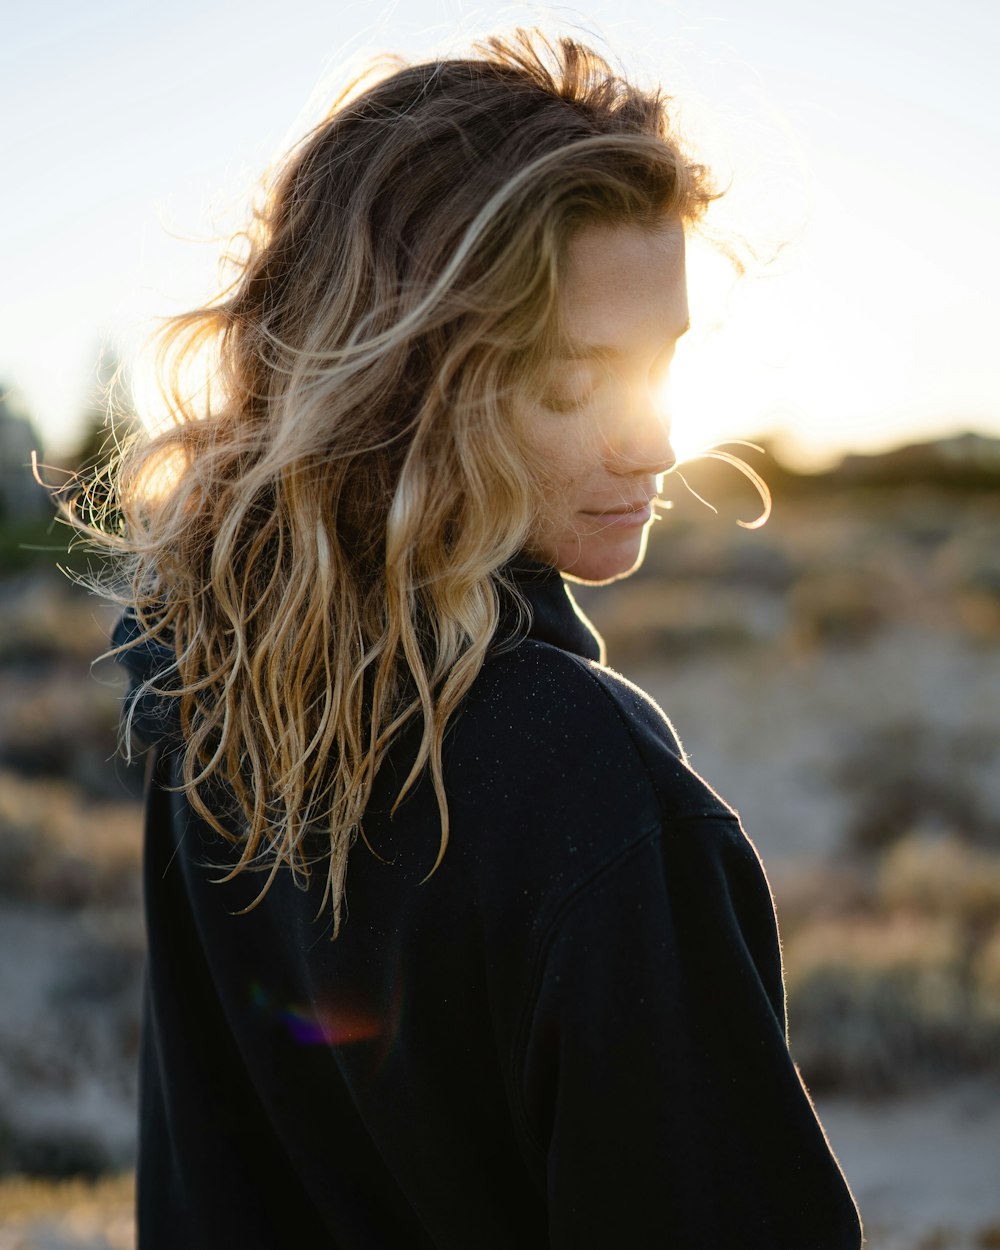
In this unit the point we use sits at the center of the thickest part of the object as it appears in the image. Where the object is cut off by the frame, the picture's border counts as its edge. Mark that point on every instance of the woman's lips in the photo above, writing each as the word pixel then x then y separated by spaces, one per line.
pixel 623 518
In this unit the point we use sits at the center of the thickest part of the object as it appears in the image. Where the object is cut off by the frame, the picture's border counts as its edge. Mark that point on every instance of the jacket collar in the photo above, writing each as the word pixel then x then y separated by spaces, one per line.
pixel 554 616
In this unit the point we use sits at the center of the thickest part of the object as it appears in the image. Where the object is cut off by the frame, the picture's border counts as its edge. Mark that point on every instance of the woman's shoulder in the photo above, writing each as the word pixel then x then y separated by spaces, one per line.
pixel 560 774
pixel 571 727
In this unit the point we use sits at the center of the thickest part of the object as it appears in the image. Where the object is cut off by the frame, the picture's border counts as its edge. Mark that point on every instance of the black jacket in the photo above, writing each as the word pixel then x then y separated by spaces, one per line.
pixel 572 1035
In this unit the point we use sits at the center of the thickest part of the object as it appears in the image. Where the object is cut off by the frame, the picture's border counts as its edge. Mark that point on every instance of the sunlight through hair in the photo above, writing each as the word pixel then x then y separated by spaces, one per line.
pixel 738 463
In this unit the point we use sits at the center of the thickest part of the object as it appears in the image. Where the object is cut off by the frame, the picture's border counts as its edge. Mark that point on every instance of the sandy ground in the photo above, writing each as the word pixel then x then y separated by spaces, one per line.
pixel 789 724
pixel 64 1073
pixel 925 1170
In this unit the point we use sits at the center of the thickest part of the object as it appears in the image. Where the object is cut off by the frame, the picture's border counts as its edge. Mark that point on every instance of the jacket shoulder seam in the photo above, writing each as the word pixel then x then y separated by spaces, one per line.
pixel 543 943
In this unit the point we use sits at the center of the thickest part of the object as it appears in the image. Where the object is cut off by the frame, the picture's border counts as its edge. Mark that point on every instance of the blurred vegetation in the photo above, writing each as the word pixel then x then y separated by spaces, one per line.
pixel 97 1215
pixel 59 849
pixel 903 774
pixel 893 968
pixel 33 538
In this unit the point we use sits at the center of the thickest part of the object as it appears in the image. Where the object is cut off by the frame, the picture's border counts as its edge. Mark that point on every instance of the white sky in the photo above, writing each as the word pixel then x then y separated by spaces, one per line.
pixel 863 135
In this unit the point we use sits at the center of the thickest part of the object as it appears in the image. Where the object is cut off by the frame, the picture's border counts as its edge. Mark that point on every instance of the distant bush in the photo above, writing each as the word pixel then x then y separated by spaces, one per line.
pixel 650 622
pixel 942 877
pixel 59 719
pixel 839 607
pixel 44 619
pixel 47 1213
pixel 903 988
pixel 32 543
pixel 903 775
pixel 970 565
pixel 58 850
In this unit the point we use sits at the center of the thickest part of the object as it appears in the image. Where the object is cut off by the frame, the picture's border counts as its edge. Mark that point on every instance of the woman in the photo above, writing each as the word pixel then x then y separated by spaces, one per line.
pixel 553 1014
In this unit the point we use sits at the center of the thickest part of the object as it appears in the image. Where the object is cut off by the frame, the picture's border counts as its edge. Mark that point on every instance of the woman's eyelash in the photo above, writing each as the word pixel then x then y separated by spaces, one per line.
pixel 574 390
pixel 566 403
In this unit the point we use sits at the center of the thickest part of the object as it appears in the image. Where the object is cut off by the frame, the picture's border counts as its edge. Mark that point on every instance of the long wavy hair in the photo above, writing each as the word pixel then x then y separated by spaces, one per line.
pixel 320 535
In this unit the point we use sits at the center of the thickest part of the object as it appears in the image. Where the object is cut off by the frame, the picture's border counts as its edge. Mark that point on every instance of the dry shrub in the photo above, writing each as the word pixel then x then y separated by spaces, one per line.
pixel 882 1005
pixel 649 622
pixel 970 566
pixel 55 848
pixel 44 617
pixel 986 975
pixel 61 722
pixel 810 892
pixel 903 988
pixel 939 1238
pixel 70 1212
pixel 941 876
pixel 979 616
pixel 838 608
pixel 902 774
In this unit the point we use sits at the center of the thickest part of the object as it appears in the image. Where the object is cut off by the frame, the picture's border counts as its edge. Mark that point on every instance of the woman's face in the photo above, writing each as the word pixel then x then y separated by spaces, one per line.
pixel 598 422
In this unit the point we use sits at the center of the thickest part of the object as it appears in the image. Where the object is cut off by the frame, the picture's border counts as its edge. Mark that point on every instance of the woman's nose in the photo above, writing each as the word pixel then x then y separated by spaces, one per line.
pixel 643 442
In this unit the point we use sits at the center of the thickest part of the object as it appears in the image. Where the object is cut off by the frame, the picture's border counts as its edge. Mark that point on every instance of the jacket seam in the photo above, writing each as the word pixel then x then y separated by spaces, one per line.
pixel 566 903
pixel 544 943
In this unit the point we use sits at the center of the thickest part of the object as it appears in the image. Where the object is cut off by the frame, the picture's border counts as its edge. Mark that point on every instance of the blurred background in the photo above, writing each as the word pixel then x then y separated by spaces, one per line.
pixel 835 673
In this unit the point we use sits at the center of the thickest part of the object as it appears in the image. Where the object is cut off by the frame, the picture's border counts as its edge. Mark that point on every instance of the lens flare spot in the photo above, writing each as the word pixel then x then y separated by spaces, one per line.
pixel 323 1024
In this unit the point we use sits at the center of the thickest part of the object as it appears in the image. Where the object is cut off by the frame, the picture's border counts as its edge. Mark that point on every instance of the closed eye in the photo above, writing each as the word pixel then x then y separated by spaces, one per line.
pixel 572 388
pixel 556 403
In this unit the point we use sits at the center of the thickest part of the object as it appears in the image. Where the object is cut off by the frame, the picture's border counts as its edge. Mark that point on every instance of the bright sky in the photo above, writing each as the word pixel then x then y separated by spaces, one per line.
pixel 862 135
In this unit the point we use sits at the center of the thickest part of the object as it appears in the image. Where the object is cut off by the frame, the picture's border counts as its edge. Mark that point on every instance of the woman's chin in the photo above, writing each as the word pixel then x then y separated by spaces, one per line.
pixel 600 559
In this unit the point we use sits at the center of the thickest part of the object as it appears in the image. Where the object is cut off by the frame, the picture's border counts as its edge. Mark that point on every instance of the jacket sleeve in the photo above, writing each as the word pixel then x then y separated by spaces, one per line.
pixel 656 1079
